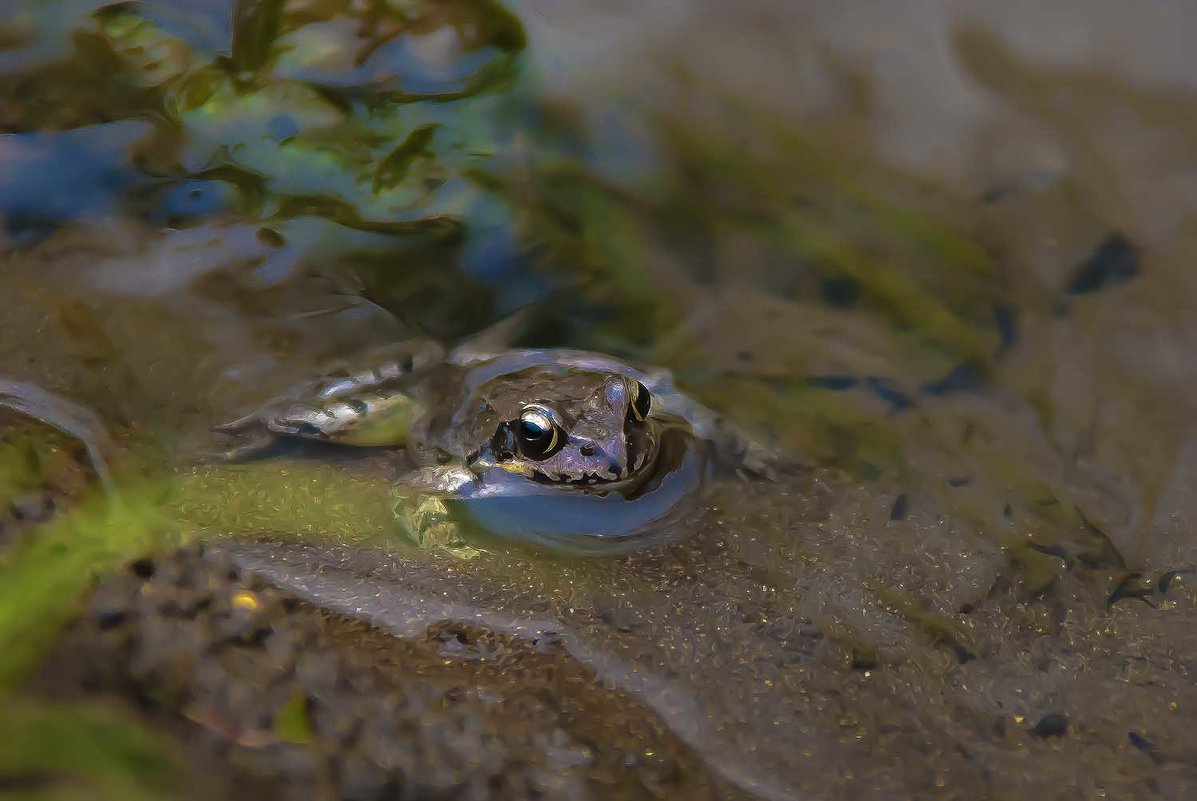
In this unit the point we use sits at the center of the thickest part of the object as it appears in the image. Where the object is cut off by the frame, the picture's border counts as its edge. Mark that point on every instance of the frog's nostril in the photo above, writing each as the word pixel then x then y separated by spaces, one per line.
pixel 587 450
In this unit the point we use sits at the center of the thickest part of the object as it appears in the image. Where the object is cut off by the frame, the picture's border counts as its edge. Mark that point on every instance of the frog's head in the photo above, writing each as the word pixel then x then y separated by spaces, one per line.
pixel 597 433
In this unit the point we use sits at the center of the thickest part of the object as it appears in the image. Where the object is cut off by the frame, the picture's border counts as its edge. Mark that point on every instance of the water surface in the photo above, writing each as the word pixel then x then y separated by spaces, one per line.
pixel 943 256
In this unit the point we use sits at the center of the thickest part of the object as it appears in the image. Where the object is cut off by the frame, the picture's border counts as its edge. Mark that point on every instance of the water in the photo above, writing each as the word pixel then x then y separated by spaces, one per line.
pixel 942 254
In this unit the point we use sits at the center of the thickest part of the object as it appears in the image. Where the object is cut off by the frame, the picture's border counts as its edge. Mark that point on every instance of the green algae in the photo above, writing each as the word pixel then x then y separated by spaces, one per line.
pixel 81 751
pixel 44 577
pixel 293 723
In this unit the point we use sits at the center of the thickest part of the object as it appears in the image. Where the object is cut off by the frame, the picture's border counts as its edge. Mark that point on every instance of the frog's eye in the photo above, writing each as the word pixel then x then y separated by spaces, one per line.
pixel 642 401
pixel 536 432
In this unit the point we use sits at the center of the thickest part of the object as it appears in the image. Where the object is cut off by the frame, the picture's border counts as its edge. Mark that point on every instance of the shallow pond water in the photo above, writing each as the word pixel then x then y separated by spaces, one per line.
pixel 944 258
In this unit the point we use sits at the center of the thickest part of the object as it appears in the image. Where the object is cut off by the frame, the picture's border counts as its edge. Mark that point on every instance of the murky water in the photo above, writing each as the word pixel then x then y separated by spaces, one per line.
pixel 945 256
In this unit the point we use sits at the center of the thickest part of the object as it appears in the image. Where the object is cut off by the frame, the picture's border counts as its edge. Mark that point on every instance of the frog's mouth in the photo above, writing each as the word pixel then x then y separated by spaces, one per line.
pixel 664 455
pixel 583 480
pixel 586 479
pixel 643 465
pixel 655 454
pixel 642 451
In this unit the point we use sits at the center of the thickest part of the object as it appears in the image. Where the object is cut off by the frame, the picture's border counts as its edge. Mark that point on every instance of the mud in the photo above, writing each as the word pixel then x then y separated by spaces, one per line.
pixel 944 258
pixel 273 697
pixel 660 675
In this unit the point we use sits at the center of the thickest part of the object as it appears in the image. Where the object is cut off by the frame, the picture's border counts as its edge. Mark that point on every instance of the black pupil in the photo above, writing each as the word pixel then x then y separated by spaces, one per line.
pixel 533 432
pixel 642 401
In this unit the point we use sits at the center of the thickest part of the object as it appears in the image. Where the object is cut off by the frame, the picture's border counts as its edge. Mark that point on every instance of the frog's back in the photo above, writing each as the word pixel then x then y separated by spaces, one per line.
pixel 473 392
pixel 482 369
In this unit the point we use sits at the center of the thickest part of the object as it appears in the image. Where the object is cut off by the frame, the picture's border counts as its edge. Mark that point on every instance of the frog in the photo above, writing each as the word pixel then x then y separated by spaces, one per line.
pixel 602 452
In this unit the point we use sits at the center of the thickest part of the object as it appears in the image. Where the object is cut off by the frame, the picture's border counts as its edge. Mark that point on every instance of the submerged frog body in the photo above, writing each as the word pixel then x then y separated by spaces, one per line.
pixel 552 427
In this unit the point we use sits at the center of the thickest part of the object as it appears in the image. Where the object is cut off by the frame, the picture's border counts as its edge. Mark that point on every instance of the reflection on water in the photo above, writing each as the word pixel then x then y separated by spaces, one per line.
pixel 944 258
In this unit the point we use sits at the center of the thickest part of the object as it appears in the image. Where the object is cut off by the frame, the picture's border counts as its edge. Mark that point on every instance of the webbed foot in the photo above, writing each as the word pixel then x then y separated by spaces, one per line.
pixel 250 448
pixel 424 519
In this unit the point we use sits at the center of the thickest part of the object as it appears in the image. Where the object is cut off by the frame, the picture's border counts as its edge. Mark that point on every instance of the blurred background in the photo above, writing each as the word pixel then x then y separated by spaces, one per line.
pixel 940 251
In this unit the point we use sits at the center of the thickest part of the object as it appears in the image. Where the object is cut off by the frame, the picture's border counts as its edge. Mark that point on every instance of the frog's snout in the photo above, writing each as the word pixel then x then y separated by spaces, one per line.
pixel 600 457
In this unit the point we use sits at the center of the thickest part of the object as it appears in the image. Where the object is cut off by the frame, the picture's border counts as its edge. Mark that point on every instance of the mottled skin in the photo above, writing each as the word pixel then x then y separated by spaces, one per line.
pixel 460 417
pixel 597 436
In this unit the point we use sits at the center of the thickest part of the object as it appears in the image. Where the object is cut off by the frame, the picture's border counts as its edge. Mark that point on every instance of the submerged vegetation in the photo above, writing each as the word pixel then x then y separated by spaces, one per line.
pixel 375 170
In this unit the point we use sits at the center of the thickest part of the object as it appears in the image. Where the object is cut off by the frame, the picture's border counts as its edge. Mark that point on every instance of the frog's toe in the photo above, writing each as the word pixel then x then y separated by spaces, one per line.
pixel 248 449
pixel 425 521
pixel 238 426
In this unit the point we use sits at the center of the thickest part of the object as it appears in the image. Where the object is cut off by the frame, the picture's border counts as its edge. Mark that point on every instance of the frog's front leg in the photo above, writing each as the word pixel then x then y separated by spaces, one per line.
pixel 368 418
pixel 371 418
pixel 420 509
pixel 369 404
